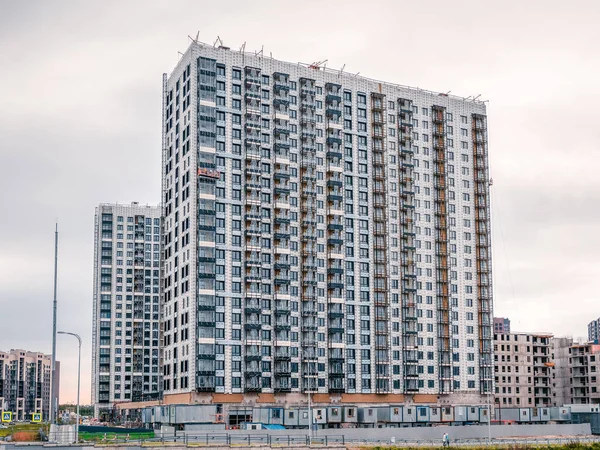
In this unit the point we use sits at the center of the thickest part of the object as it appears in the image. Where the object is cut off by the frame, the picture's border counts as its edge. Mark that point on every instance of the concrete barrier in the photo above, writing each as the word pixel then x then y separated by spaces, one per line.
pixel 62 434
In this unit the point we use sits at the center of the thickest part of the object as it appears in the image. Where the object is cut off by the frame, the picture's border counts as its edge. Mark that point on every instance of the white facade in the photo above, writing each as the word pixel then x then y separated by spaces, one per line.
pixel 324 232
pixel 127 302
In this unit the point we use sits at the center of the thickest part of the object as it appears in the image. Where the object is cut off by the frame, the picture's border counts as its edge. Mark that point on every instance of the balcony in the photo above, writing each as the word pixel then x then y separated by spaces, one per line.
pixel 282 307
pixel 334 154
pixel 253 325
pixel 333 140
pixel 252 386
pixel 282 354
pixel 333 112
pixel 252 306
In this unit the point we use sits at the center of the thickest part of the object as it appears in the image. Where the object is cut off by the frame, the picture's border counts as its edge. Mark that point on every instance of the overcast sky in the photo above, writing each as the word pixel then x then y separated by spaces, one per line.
pixel 80 125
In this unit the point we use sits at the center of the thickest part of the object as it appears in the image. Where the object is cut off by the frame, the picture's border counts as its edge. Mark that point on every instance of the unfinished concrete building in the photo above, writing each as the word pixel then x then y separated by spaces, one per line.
pixel 584 365
pixel 523 369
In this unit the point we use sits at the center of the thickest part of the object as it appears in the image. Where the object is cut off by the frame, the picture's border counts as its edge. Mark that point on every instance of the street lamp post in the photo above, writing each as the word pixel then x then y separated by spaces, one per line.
pixel 78 381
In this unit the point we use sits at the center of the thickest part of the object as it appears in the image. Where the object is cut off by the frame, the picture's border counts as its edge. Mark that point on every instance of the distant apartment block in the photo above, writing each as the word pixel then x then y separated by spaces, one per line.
pixel 524 370
pixel 593 331
pixel 127 302
pixel 501 325
pixel 25 379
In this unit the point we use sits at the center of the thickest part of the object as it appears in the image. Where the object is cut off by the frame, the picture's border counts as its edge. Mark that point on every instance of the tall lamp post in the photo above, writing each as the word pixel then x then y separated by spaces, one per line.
pixel 78 380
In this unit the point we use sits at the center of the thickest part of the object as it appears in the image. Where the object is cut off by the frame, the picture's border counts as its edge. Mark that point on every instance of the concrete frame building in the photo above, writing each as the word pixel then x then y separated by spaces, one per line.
pixel 524 368
pixel 562 370
pixel 584 363
pixel 323 233
pixel 25 383
pixel 126 339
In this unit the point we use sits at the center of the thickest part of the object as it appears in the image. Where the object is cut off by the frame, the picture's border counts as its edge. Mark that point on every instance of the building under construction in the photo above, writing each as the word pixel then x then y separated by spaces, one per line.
pixel 325 233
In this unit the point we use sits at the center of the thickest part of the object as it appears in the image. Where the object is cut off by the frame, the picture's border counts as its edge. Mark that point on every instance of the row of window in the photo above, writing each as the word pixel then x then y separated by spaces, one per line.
pixel 351 354
pixel 106 217
pixel 236 74
pixel 121 236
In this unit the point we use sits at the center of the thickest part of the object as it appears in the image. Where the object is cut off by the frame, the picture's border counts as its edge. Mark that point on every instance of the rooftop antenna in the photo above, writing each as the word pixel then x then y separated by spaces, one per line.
pixel 218 40
pixel 476 97
pixel 259 53
pixel 243 47
pixel 342 69
pixel 356 74
pixel 447 92
pixel 468 97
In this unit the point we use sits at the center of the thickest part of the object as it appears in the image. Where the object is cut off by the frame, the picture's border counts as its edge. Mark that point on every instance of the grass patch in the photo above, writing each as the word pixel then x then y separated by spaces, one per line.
pixel 30 429
pixel 99 436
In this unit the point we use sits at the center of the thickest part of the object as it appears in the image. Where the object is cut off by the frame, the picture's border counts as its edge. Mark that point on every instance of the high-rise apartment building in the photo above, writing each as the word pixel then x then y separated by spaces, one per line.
pixel 25 383
pixel 594 330
pixel 524 370
pixel 127 302
pixel 324 232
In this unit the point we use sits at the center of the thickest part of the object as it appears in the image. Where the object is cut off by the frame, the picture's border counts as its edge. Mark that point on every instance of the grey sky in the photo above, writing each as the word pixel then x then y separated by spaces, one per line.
pixel 80 125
